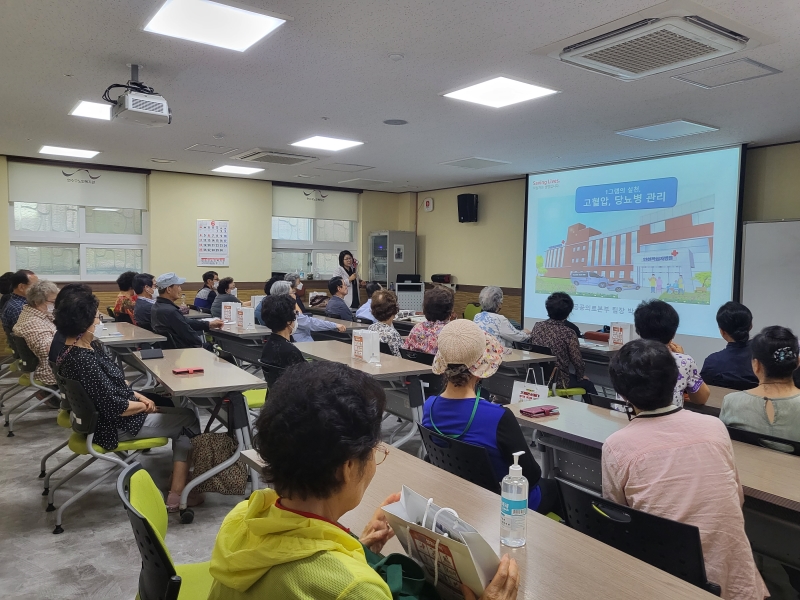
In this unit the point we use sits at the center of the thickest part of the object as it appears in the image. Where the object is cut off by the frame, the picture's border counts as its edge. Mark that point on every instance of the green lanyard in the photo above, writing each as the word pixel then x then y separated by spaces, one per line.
pixel 469 423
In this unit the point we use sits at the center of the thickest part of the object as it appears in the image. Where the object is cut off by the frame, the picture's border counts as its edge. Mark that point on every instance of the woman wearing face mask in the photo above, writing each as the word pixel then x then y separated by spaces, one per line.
pixel 35 325
pixel 297 288
pixel 279 315
pixel 226 292
pixel 305 324
pixel 347 270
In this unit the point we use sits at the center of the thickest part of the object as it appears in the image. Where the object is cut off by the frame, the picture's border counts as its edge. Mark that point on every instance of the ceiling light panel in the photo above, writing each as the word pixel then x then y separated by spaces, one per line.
pixel 320 142
pixel 59 151
pixel 237 170
pixel 500 92
pixel 666 131
pixel 212 23
pixel 93 110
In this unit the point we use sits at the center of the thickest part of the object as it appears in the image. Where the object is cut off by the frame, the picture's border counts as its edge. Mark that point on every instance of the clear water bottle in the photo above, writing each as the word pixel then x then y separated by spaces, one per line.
pixel 514 506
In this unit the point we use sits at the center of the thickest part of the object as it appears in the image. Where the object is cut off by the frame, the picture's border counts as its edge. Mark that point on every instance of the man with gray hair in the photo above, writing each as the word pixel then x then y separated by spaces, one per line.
pixel 166 317
pixel 491 300
pixel 35 326
pixel 305 323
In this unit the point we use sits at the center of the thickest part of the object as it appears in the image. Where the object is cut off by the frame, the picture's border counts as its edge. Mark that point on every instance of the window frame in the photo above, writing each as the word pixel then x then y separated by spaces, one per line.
pixel 313 246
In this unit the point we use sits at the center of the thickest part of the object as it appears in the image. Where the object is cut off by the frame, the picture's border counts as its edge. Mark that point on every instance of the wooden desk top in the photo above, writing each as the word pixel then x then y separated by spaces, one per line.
pixel 131 335
pixel 558 563
pixel 579 422
pixel 219 377
pixel 234 331
pixel 197 314
pixel 768 474
pixel 520 357
pixel 717 395
pixel 391 366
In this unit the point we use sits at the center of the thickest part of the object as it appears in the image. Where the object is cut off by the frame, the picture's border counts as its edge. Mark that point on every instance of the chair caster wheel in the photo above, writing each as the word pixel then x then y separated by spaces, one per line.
pixel 187 516
pixel 46 492
pixel 42 474
pixel 58 529
pixel 10 434
pixel 50 508
pixel 5 424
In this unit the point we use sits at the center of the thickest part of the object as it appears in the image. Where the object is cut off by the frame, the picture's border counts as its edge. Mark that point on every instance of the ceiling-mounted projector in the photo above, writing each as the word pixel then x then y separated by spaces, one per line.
pixel 139 103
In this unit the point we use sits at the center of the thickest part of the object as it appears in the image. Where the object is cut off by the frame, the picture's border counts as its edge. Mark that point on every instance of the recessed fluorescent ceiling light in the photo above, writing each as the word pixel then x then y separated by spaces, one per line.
pixel 237 170
pixel 500 92
pixel 321 142
pixel 665 131
pixel 212 23
pixel 68 152
pixel 93 110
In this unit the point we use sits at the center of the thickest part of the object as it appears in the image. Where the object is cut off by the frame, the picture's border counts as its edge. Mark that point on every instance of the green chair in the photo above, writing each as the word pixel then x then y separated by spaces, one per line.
pixel 471 309
pixel 160 578
pixel 255 399
pixel 80 442
pixel 28 363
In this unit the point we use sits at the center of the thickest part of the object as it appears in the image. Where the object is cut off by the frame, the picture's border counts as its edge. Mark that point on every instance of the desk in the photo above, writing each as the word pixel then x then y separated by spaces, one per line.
pixel 348 325
pixel 131 337
pixel 391 367
pixel 558 563
pixel 197 314
pixel 518 358
pixel 234 331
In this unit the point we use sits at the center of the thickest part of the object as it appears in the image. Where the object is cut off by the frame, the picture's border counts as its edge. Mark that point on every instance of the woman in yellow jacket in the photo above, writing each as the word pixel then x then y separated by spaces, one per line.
pixel 320 435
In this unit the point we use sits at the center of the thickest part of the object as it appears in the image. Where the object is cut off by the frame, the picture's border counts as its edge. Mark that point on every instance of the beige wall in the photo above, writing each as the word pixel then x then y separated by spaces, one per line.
pixel 382 211
pixel 5 246
pixel 177 200
pixel 488 252
pixel 772 183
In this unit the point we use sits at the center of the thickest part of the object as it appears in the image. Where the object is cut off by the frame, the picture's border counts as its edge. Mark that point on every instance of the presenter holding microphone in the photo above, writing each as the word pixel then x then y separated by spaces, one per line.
pixel 347 271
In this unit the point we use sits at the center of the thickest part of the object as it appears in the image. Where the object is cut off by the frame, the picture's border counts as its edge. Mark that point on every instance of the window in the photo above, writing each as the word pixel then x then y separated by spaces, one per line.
pixel 658 227
pixel 68 242
pixel 310 245
pixel 703 217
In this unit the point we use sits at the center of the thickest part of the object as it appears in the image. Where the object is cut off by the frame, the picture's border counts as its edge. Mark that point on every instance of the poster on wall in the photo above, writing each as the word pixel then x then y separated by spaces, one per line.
pixel 399 252
pixel 212 243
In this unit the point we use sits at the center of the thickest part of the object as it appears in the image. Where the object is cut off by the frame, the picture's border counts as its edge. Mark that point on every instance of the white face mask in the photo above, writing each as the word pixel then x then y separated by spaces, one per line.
pixel 98 330
pixel 155 293
pixel 299 287
pixel 50 308
pixel 234 292
pixel 294 326
pixel 216 283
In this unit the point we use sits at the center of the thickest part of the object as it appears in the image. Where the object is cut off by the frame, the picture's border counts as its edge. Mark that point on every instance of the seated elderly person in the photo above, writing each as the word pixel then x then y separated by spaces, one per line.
pixel 123 414
pixel 384 308
pixel 491 299
pixel 35 326
pixel 466 355
pixel 305 323
pixel 297 287
pixel 278 312
pixel 365 310
pixel 320 435
pixel 437 306
pixel 226 292
pixel 336 307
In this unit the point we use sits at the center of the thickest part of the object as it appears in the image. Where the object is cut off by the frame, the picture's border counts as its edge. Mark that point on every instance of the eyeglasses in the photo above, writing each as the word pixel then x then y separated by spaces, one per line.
pixel 381 452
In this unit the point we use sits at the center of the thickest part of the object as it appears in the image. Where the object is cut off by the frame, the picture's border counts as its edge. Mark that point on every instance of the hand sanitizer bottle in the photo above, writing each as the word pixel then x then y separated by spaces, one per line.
pixel 514 506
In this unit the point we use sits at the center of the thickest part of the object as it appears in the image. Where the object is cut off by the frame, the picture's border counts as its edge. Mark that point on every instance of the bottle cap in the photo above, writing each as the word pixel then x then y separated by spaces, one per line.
pixel 516 470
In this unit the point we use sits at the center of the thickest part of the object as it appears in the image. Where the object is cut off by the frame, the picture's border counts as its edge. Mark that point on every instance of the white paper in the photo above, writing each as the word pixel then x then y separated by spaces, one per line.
pixel 212 243
pixel 229 311
pixel 245 317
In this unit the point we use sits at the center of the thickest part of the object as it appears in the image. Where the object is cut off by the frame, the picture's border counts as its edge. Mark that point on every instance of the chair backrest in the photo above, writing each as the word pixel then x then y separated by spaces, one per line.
pixel 470 310
pixel 123 318
pixel 10 341
pixel 148 516
pixel 28 361
pixel 668 545
pixel 603 402
pixel 765 441
pixel 82 407
pixel 421 387
pixel 110 312
pixel 385 348
pixel 420 357
pixel 499 385
pixel 271 372
pixel 468 461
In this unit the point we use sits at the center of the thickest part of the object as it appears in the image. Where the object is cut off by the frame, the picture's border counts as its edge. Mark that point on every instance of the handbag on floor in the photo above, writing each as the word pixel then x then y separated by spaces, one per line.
pixel 212 449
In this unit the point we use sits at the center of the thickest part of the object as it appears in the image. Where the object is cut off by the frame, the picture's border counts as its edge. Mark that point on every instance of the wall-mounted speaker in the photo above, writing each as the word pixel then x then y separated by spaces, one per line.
pixel 467 208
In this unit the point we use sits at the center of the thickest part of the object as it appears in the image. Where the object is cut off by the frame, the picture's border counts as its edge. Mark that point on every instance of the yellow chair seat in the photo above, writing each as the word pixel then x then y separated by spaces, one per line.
pixel 195 580
pixel 24 379
pixel 14 366
pixel 255 398
pixel 77 443
pixel 567 392
pixel 63 419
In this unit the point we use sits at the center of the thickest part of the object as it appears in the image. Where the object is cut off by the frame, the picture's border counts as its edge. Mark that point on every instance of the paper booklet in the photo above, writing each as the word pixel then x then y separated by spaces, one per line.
pixel 449 549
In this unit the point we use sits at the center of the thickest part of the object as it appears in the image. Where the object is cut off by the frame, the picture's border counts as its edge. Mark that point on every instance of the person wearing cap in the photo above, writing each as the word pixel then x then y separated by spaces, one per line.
pixel 467 354
pixel 167 319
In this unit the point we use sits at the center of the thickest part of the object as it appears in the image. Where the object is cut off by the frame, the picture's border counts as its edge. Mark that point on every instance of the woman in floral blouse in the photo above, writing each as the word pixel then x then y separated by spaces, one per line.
pixel 384 308
pixel 438 310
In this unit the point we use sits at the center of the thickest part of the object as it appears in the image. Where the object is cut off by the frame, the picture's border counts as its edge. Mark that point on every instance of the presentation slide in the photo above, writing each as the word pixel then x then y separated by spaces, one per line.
pixel 614 235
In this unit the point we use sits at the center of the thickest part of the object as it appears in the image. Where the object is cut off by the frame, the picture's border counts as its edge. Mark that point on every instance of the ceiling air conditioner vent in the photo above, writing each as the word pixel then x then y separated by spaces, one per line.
pixel 652 46
pixel 260 155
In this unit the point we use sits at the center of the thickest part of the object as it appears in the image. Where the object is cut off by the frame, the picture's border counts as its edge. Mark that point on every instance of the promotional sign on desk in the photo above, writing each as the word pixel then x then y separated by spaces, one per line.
pixel 524 391
pixel 450 550
pixel 229 311
pixel 620 335
pixel 245 317
pixel 366 346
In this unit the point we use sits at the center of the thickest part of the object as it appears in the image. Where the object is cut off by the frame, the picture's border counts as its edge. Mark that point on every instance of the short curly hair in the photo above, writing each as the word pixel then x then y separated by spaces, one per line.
pixel 656 320
pixel 319 416
pixel 125 281
pixel 437 305
pixel 37 293
pixel 76 311
pixel 277 311
pixel 384 305
pixel 645 373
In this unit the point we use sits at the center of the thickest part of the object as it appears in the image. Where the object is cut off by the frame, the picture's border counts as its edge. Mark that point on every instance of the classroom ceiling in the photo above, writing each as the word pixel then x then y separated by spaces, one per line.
pixel 329 72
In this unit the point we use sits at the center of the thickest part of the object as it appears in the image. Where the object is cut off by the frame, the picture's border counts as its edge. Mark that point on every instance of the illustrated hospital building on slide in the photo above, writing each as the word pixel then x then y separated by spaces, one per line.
pixel 667 243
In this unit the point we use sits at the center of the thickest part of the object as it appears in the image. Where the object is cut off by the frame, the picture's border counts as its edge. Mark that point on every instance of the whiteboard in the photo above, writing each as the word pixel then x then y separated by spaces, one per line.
pixel 771 273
